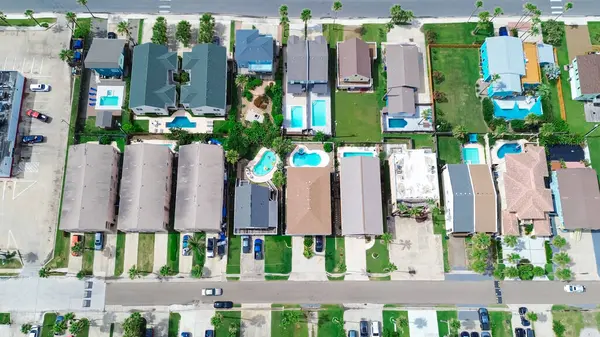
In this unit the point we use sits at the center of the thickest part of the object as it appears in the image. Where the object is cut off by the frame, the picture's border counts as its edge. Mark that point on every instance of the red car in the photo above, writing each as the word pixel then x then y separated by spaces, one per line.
pixel 37 115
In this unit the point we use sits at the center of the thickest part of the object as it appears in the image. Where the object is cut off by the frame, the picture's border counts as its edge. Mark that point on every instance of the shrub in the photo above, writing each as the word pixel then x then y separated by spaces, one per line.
pixel 514 32
pixel 247 95
pixel 526 271
pixel 440 97
pixel 328 147
pixel 83 29
pixel 487 106
pixel 552 72
pixel 278 119
pixel 518 125
pixel 104 140
pixel 553 32
pixel 558 328
pixel 438 77
pixel 253 83
pixel 431 36
pixel 538 271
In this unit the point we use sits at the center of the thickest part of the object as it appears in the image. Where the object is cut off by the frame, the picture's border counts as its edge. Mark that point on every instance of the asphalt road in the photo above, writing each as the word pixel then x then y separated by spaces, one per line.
pixel 320 8
pixel 389 292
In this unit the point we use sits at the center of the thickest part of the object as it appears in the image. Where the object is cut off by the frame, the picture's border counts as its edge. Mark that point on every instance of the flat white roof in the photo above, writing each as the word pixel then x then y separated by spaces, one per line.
pixel 414 176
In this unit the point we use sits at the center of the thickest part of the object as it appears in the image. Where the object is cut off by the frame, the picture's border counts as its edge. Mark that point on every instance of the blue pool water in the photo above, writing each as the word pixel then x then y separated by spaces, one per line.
pixel 265 164
pixel 319 113
pixel 397 122
pixel 358 154
pixel 181 122
pixel 471 155
pixel 109 100
pixel 301 158
pixel 509 148
pixel 297 116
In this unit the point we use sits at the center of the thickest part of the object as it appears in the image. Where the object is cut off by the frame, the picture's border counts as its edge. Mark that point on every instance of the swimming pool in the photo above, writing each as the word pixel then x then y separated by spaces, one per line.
pixel 319 113
pixel 358 154
pixel 471 155
pixel 397 122
pixel 181 122
pixel 297 116
pixel 509 148
pixel 265 164
pixel 302 158
pixel 109 100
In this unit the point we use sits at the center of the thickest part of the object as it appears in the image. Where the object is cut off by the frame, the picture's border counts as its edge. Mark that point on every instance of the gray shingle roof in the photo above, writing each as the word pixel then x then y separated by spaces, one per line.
pixel 464 201
pixel 354 58
pixel 207 65
pixel 145 188
pixel 104 53
pixel 104 119
pixel 253 207
pixel 401 100
pixel 402 63
pixel 151 76
pixel 297 59
pixel 250 45
pixel 200 184
pixel 318 66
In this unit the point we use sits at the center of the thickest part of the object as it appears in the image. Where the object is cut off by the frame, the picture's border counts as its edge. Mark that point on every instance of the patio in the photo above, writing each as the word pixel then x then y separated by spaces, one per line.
pixel 96 90
pixel 528 248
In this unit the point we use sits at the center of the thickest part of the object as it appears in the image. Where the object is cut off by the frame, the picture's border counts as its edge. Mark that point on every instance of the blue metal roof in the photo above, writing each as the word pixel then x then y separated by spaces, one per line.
pixel 504 56
pixel 253 47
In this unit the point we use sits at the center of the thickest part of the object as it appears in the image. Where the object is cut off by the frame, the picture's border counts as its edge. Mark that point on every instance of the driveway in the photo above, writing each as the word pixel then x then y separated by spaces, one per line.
pixel 161 242
pixel 531 249
pixel 457 253
pixel 256 322
pixel 423 323
pixel 75 262
pixel 356 259
pixel 416 247
pixel 371 313
pixel 131 251
pixel 581 249
pixel 196 321
pixel 215 267
pixel 578 40
pixel 251 269
pixel 185 262
pixel 104 260
pixel 304 269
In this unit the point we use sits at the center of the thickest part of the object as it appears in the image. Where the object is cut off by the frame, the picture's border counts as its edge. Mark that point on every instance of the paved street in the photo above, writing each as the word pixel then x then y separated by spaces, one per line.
pixel 352 8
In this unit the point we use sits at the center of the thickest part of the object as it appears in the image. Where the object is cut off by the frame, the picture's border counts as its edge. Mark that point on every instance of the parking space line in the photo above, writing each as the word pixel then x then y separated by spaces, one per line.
pixel 32 64
pixel 26 188
pixel 4 190
pixel 42 66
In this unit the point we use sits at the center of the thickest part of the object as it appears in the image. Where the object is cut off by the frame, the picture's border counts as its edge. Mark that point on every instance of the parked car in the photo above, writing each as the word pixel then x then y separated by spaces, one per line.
pixel 37 115
pixel 39 87
pixel 474 334
pixel 530 333
pixel 258 249
pixel 186 334
pixel 375 329
pixel 246 244
pixel 524 321
pixel 352 333
pixel 484 318
pixel 485 334
pixel 212 292
pixel 574 288
pixel 149 332
pixel 35 331
pixel 210 247
pixel 74 240
pixel 223 305
pixel 364 329
pixel 464 334
pixel 209 333
pixel 519 332
pixel 221 247
pixel 31 139
pixel 503 31
pixel 319 243
pixel 99 241
pixel 112 35
pixel 522 311
pixel 185 245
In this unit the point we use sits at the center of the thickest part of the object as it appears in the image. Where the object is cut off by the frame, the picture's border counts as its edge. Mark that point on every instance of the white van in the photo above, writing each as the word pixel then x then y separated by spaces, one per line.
pixel 375 329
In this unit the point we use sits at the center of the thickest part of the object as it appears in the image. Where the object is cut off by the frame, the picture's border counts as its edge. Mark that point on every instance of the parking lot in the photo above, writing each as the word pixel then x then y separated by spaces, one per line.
pixel 30 200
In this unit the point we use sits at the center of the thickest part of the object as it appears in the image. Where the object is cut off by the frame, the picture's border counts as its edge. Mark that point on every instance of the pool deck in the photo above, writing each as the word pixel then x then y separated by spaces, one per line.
pixel 372 149
pixel 480 150
pixel 312 147
pixel 305 101
pixel 496 147
pixel 413 123
pixel 159 124
pixel 170 143
pixel 90 111
pixel 249 168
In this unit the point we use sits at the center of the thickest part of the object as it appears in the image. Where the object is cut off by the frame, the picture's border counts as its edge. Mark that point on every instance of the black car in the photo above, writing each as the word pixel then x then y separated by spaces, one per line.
pixel 246 244
pixel 530 333
pixel 364 329
pixel 221 245
pixel 484 318
pixel 524 321
pixel 474 334
pixel 519 332
pixel 223 305
pixel 464 334
pixel 210 247
pixel 522 311
pixel 112 35
pixel 319 243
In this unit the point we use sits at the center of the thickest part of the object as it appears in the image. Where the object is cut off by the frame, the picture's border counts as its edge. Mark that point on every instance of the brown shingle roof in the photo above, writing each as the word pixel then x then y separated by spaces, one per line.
pixel 354 58
pixel 510 223
pixel 308 201
pixel 588 67
pixel 486 209
pixel 579 198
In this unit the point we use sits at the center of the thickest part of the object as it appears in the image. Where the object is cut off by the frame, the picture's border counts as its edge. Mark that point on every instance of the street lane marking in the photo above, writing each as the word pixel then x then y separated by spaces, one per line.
pixel 556 7
pixel 164 6
pixel 555 0
pixel 556 12
pixel 164 12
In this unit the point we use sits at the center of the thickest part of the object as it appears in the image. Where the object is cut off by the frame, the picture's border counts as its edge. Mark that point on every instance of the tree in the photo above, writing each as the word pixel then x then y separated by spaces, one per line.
pixel 84 3
pixel 558 241
pixel 532 316
pixel 3 19
pixel 197 242
pixel 564 274
pixel 159 31
pixel 305 16
pixel 497 12
pixel 69 316
pixel 483 22
pixel 283 15
pixel 217 320
pixel 558 328
pixel 278 179
pixel 196 271
pixel 207 28
pixel 72 18
pixel 454 325
pixel 399 16
pixel 134 272
pixel 232 156
pixel 165 271
pixel 59 327
pixel 568 6
pixel 511 241
pixel 387 238
pixel 479 266
pixel 320 136
pixel 183 33
pixel 511 272
pixel 481 240
pixel 25 328
pixel 78 326
pixel 459 132
pixel 532 120
pixel 44 272
pixel 494 78
pixel 478 5
pixel 561 259
pixel 29 13
pixel 124 28
pixel 336 7
pixel 290 318
pixel 544 90
pixel 134 325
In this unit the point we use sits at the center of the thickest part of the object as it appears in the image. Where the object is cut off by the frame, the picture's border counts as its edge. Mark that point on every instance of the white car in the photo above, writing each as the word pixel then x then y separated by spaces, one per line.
pixel 574 288
pixel 40 87
pixel 212 292
pixel 35 331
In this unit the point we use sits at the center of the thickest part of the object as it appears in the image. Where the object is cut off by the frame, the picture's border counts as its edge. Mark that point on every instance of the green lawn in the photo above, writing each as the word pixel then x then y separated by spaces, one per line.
pixel 299 330
pixel 4 318
pixel 461 70
pixel 388 324
pixel 333 33
pixel 87 261
pixel 142 124
pixel 458 33
pixel 174 319
pixel 14 263
pixel 501 326
pixel 439 227
pixel 229 317
pixel 443 317
pixel 449 150
pixel 331 321
pixel 278 254
pixel 374 32
pixel 47 325
pixel 173 252
pixel 594 29
pixel 335 259
pixel 572 320
pixel 551 105
pixel 357 117
pixel 377 257
pixel 593 142
pixel 26 22
pixel 145 259
pixel 234 254
pixel 120 254
pixel 231 34
pixel 85 332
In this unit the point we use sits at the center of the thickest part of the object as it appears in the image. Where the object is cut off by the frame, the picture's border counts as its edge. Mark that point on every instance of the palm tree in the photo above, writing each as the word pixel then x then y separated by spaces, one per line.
pixel 66 55
pixel 44 272
pixel 123 28
pixel 481 240
pixel 514 258
pixel 71 17
pixel 336 7
pixel 568 6
pixel 305 16
pixel 544 90
pixel 545 131
pixel 29 13
pixel 241 80
pixel 133 272
pixel 495 78
pixel 459 132
pixel 532 316
pixel 559 242
pixel 564 274
pixel 84 3
pixel 528 8
pixel 454 325
pixel 3 19
pixel 69 316
pixel 532 120
pixel 484 19
pixel 561 259
pixel 478 4
pixel 511 241
pixel 196 243
pixel 497 12
pixel 25 328
pixel 283 14
pixel 232 156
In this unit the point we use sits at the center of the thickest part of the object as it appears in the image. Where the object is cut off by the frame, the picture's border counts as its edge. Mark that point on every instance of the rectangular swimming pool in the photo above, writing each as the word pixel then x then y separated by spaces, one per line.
pixel 297 116
pixel 357 154
pixel 470 155
pixel 181 122
pixel 109 100
pixel 319 113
